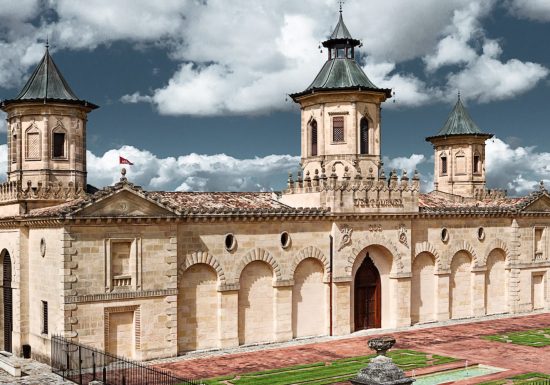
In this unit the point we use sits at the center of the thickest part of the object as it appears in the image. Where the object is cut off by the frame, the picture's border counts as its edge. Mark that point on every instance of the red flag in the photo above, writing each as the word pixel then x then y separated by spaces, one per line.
pixel 122 160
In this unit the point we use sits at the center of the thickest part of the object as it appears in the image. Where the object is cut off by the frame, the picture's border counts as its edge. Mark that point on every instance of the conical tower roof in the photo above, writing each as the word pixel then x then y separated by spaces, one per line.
pixel 47 84
pixel 459 122
pixel 341 31
pixel 341 71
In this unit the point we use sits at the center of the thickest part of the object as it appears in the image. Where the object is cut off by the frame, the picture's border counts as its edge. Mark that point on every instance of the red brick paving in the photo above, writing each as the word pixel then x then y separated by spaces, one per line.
pixel 458 341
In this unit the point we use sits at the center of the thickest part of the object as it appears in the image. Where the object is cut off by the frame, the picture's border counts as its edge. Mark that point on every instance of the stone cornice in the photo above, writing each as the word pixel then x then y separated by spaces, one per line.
pixel 124 295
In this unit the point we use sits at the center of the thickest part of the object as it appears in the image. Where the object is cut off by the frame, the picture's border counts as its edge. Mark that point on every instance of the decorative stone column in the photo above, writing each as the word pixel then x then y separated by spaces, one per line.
pixel 381 369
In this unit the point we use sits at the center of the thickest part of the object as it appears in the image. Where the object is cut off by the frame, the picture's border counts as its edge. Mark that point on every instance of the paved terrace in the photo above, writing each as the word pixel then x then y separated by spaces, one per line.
pixel 458 340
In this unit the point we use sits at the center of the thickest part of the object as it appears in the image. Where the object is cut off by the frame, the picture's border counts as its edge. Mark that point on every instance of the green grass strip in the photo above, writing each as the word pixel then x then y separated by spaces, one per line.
pixel 321 373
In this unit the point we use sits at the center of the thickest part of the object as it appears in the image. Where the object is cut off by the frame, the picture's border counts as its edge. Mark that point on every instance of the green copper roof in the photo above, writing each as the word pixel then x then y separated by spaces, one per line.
pixel 341 73
pixel 341 31
pixel 459 122
pixel 47 84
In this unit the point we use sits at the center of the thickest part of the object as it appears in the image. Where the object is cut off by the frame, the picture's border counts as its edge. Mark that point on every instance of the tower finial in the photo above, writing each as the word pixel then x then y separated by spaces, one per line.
pixel 459 95
pixel 47 42
pixel 341 2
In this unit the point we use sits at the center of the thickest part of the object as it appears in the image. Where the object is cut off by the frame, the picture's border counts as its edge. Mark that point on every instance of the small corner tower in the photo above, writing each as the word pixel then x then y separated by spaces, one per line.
pixel 459 154
pixel 47 130
pixel 340 113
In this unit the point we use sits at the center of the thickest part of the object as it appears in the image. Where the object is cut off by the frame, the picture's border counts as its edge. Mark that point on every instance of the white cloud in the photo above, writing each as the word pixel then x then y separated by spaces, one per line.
pixel 192 172
pixel 531 9
pixel 3 123
pixel 518 170
pixel 243 57
pixel 487 79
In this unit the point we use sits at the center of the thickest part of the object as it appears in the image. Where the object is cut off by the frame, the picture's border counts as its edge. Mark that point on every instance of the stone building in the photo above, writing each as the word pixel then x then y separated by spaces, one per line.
pixel 149 274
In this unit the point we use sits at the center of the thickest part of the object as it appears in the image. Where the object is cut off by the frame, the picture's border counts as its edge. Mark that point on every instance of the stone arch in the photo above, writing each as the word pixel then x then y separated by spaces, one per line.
pixel 259 254
pixel 427 247
pixel 202 257
pixel 375 240
pixel 496 244
pixel 463 246
pixel 12 260
pixel 310 252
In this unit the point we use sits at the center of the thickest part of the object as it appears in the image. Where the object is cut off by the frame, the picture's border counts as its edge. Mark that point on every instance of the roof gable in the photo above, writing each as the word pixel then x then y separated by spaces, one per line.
pixel 539 203
pixel 122 199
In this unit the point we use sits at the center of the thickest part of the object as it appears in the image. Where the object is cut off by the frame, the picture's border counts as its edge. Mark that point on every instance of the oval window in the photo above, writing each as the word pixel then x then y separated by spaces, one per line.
pixel 230 242
pixel 444 234
pixel 481 233
pixel 285 239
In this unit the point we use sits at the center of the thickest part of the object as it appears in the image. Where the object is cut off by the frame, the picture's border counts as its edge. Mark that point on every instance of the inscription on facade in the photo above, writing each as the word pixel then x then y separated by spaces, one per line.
pixel 359 202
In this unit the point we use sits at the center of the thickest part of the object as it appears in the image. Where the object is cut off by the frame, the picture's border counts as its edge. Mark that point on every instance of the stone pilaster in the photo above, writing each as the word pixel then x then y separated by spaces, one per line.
pixel 442 300
pixel 228 313
pixel 341 306
pixel 283 313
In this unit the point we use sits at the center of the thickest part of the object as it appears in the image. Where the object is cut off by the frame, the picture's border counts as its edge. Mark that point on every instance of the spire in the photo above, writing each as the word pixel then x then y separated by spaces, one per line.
pixel 341 31
pixel 47 84
pixel 459 122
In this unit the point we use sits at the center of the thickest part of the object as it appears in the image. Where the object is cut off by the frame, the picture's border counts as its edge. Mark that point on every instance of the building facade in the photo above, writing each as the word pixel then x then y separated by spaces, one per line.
pixel 150 274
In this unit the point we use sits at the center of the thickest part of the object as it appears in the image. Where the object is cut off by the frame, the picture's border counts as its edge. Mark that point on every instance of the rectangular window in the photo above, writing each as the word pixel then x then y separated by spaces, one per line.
pixel 338 129
pixel 58 145
pixel 120 263
pixel 539 243
pixel 477 164
pixel 44 317
pixel 460 161
pixel 443 165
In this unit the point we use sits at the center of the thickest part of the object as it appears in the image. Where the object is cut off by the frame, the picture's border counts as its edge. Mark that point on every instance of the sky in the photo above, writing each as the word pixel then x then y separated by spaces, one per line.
pixel 194 92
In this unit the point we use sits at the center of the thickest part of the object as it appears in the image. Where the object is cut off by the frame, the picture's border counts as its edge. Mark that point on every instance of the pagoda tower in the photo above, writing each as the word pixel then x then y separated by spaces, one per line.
pixel 47 130
pixel 340 113
pixel 459 146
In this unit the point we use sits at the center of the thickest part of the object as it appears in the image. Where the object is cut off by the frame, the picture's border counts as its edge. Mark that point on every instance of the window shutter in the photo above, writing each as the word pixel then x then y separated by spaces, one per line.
pixel 338 129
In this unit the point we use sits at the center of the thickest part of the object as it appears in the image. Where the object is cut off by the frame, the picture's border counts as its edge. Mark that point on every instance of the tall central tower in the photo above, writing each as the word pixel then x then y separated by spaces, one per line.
pixel 340 113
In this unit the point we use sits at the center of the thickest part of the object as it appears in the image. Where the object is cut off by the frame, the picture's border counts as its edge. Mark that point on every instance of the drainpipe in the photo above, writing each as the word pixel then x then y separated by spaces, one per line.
pixel 330 282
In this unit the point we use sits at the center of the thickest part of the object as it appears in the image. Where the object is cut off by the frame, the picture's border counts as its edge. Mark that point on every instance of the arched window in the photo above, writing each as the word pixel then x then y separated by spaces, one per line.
pixel 443 164
pixel 313 126
pixel 477 163
pixel 59 143
pixel 32 143
pixel 364 135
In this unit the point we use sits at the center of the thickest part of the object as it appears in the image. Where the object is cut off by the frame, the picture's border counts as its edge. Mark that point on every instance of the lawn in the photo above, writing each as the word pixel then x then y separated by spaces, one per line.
pixel 535 337
pixel 526 378
pixel 323 373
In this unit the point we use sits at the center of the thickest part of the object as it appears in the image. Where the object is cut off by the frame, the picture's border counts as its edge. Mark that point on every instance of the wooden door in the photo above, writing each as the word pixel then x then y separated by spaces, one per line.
pixel 367 293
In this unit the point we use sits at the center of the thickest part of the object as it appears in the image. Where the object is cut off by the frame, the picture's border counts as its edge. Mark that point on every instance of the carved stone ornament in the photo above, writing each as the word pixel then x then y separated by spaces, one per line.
pixel 403 235
pixel 346 237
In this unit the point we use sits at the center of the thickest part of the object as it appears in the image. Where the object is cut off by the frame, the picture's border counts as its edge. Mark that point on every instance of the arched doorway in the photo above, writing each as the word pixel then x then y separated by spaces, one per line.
pixel 367 296
pixel 7 300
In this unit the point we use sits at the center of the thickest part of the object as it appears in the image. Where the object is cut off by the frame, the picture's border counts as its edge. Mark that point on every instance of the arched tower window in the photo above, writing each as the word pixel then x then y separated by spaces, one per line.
pixel 460 163
pixel 364 135
pixel 59 143
pixel 477 163
pixel 32 143
pixel 443 164
pixel 313 126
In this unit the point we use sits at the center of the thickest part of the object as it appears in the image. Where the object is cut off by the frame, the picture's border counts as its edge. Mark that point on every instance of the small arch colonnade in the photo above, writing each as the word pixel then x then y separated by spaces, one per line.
pixel 271 302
